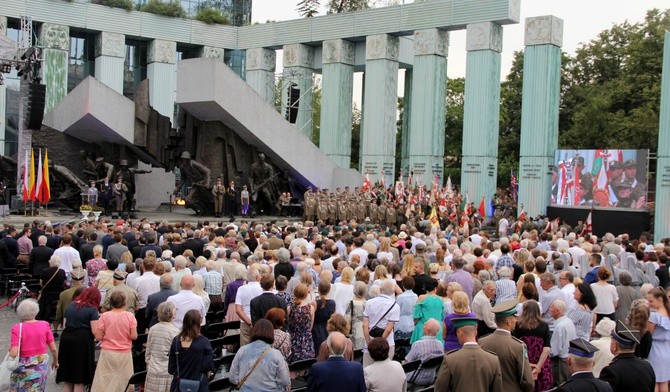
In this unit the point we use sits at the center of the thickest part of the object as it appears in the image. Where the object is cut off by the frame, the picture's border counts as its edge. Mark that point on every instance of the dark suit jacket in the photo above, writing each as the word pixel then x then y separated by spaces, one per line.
pixel 39 260
pixel 194 245
pixel 336 375
pixel 153 301
pixel 585 382
pixel 260 305
pixel 627 373
pixel 86 251
pixel 53 241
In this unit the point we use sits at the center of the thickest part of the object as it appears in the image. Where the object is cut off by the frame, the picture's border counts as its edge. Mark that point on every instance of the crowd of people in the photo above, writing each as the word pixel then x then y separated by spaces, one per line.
pixel 534 310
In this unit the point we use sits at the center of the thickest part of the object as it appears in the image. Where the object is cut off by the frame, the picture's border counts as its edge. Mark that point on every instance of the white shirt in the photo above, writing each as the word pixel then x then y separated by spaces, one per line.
pixel 570 301
pixel 606 296
pixel 297 242
pixel 375 309
pixel 476 239
pixel 245 294
pixel 147 284
pixel 503 224
pixel 67 255
pixel 184 301
pixel 362 253
pixel 343 294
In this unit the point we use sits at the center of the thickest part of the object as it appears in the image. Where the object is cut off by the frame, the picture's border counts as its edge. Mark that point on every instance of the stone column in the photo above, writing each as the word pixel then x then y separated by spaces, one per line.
pixel 336 100
pixel 212 52
pixel 56 42
pixel 429 92
pixel 380 101
pixel 161 58
pixel 481 111
pixel 406 123
pixel 261 66
pixel 539 111
pixel 662 213
pixel 298 63
pixel 110 51
pixel 3 96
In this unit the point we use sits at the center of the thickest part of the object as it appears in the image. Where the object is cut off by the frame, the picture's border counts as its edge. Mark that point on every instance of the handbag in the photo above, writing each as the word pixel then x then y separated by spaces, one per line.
pixel 39 295
pixel 9 364
pixel 186 385
pixel 377 332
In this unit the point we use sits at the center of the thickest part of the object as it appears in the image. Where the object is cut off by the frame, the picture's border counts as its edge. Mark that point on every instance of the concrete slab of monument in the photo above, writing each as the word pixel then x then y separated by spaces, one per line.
pixel 211 91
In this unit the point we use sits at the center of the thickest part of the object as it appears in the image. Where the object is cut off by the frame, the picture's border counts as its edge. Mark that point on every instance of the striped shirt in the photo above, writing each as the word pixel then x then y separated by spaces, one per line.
pixel 504 261
pixel 505 290
pixel 425 348
pixel 213 282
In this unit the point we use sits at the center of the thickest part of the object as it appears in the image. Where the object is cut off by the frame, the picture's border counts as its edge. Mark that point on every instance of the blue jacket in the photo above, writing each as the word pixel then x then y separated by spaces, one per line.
pixel 336 375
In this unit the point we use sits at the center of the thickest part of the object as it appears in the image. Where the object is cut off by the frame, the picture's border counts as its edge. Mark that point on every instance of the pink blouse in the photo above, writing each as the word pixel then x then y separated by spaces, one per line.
pixel 35 336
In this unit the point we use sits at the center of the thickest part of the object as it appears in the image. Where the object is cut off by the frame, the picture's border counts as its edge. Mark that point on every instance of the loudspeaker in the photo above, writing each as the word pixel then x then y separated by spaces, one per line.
pixel 293 103
pixel 35 105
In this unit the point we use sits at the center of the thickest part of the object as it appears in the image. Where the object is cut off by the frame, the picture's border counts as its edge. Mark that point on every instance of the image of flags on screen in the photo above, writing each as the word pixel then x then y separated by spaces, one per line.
pixel 588 228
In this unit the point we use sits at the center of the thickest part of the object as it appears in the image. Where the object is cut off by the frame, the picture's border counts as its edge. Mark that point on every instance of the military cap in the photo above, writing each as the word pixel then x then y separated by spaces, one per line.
pixel 464 321
pixel 616 165
pixel 629 162
pixel 120 275
pixel 78 274
pixel 505 309
pixel 626 335
pixel 582 348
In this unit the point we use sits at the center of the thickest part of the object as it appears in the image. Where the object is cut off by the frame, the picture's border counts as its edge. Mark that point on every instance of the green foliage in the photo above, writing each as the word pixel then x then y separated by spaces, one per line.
pixel 316 115
pixel 308 8
pixel 124 4
pixel 339 6
pixel 170 8
pixel 211 16
pixel 356 137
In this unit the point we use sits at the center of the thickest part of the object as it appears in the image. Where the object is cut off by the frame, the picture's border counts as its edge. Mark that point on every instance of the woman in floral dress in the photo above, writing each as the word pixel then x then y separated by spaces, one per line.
pixel 300 322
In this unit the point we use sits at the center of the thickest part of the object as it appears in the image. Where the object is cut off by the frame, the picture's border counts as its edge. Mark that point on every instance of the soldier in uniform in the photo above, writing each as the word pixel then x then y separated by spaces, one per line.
pixel 638 188
pixel 128 176
pixel 310 205
pixel 517 374
pixel 471 368
pixel 218 191
pixel 361 210
pixel 342 210
pixel 332 207
pixel 322 209
pixel 373 211
pixel 624 193
pixel 381 214
pixel 353 207
pixel 627 372
pixel 391 215
pixel 580 361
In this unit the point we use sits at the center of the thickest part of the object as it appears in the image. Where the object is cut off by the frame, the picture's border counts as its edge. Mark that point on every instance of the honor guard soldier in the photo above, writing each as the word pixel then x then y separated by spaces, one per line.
pixel 471 368
pixel 517 374
pixel 580 362
pixel 627 372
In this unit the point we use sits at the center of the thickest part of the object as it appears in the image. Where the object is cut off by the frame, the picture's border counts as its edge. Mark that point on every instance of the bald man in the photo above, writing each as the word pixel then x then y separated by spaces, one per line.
pixel 426 348
pixel 186 300
pixel 336 374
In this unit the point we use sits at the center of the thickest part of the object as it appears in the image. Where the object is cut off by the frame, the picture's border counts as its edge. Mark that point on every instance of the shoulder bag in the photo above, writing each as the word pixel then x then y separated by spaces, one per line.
pixel 377 332
pixel 186 385
pixel 239 386
pixel 45 286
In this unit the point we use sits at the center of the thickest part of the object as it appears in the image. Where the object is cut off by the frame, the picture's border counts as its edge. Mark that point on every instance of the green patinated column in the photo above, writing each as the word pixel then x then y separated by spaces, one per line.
pixel 336 100
pixel 161 57
pixel 539 111
pixel 3 96
pixel 481 112
pixel 110 51
pixel 406 123
pixel 56 42
pixel 429 91
pixel 662 212
pixel 298 63
pixel 380 100
pixel 261 65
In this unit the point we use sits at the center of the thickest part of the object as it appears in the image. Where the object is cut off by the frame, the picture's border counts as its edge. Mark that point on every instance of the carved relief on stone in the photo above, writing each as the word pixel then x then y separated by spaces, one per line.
pixel 298 55
pixel 338 51
pixel 212 52
pixel 53 36
pixel 162 51
pixel 432 41
pixel 3 25
pixel 110 44
pixel 542 30
pixel 484 36
pixel 261 59
pixel 382 46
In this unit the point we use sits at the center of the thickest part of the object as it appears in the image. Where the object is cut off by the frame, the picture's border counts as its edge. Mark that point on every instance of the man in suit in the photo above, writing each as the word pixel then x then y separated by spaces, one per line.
pixel 115 251
pixel 260 305
pixel 627 372
pixel 517 374
pixel 580 361
pixel 470 369
pixel 39 257
pixel 336 374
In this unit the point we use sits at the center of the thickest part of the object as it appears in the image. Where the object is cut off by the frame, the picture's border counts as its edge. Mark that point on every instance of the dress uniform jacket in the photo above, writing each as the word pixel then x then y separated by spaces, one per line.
pixel 372 212
pixel 470 369
pixel 627 373
pixel 585 381
pixel 517 374
pixel 381 214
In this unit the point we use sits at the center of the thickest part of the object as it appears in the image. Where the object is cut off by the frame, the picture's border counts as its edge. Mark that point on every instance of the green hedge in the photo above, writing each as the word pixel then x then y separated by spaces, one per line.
pixel 170 8
pixel 124 4
pixel 211 16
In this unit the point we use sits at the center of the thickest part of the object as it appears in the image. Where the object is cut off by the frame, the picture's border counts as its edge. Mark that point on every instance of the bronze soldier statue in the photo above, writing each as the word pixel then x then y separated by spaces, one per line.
pixel 262 182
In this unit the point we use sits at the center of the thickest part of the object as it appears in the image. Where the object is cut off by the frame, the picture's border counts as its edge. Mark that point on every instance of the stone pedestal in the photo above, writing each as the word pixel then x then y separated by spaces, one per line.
pixel 336 101
pixel 662 213
pixel 110 51
pixel 161 57
pixel 56 42
pixel 379 107
pixel 298 63
pixel 539 111
pixel 429 91
pixel 481 111
pixel 261 66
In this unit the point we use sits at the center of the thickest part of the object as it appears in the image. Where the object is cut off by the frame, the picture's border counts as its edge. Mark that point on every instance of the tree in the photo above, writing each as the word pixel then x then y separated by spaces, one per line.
pixel 453 139
pixel 308 8
pixel 316 114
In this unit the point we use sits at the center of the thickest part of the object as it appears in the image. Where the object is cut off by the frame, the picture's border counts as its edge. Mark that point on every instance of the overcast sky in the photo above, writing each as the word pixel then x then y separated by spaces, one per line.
pixel 583 20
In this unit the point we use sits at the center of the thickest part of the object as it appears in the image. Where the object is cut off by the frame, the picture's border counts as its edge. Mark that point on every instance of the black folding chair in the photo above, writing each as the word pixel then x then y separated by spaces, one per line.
pixel 217 346
pixel 409 367
pixel 221 384
pixel 137 378
pixel 215 330
pixel 301 371
pixel 430 364
pixel 358 355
